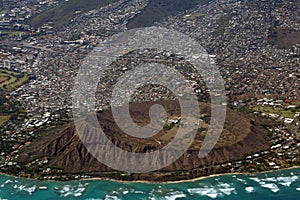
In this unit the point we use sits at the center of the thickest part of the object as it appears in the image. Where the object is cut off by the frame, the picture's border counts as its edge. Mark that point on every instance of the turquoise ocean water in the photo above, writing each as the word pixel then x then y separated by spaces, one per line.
pixel 281 185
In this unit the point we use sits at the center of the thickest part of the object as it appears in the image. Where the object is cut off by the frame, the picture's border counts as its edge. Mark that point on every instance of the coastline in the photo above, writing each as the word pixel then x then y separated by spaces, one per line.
pixel 158 182
pixel 188 180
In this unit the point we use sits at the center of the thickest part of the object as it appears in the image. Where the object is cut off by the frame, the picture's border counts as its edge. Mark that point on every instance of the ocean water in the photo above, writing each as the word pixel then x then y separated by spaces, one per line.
pixel 284 184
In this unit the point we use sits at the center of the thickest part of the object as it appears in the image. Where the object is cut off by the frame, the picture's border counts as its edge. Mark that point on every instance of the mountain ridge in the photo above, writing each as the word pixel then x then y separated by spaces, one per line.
pixel 65 151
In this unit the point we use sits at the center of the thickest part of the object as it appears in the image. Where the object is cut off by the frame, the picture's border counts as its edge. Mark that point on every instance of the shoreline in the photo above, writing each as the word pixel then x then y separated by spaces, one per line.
pixel 158 182
pixel 188 180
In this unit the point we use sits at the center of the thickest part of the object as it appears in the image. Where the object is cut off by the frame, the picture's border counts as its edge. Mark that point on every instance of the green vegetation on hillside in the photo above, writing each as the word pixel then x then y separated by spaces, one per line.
pixel 287 113
pixel 63 13
pixel 195 16
pixel 8 110
pixel 10 80
pixel 3 119
pixel 3 11
pixel 222 23
pixel 284 38
pixel 156 10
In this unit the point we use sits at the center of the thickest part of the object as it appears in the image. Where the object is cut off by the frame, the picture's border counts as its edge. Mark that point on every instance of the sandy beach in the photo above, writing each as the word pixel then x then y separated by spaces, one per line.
pixel 184 181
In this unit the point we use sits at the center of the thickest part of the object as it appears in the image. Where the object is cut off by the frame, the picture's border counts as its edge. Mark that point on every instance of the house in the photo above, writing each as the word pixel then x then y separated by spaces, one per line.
pixel 288 120
pixel 288 101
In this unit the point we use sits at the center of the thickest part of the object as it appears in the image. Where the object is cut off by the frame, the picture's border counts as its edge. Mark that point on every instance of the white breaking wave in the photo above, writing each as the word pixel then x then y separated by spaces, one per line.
pixel 271 182
pixel 255 179
pixel 210 192
pixel 109 197
pixel 272 179
pixel 272 186
pixel 287 181
pixel 242 180
pixel 29 189
pixel 227 191
pixel 249 189
pixel 92 199
pixel 75 191
pixel 175 195
pixel 214 191
pixel 6 182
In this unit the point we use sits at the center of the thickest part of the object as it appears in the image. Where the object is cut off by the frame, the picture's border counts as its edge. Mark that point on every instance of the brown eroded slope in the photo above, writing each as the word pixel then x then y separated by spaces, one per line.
pixel 64 149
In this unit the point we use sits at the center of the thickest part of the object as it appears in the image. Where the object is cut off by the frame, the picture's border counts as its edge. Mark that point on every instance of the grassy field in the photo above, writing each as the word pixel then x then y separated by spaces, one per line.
pixel 8 77
pixel 3 78
pixel 10 80
pixel 195 16
pixel 276 110
pixel 222 23
pixel 64 12
pixel 16 33
pixel 3 119
pixel 297 103
pixel 286 38
pixel 282 37
pixel 3 11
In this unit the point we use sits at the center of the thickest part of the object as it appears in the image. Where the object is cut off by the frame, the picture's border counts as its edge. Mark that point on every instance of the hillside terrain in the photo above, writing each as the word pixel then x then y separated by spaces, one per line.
pixel 62 14
pixel 284 38
pixel 64 150
pixel 156 10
